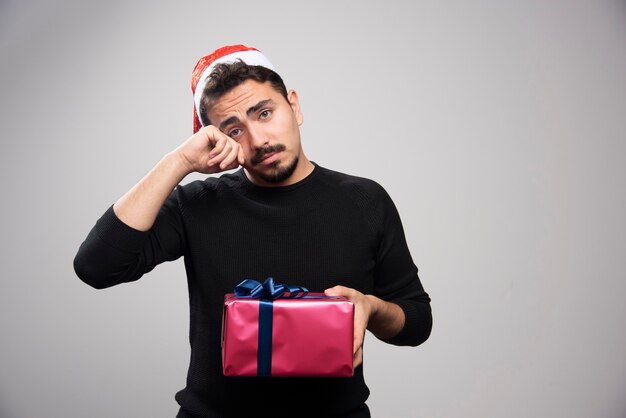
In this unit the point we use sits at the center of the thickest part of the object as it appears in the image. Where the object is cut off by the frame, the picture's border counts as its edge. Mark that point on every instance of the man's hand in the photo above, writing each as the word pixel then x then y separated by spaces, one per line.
pixel 210 151
pixel 384 319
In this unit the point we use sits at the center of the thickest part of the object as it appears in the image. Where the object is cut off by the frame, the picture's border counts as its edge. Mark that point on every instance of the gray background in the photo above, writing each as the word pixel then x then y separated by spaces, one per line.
pixel 497 127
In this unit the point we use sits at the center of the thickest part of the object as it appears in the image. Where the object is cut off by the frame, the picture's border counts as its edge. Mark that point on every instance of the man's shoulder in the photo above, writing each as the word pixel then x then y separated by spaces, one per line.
pixel 349 183
pixel 366 196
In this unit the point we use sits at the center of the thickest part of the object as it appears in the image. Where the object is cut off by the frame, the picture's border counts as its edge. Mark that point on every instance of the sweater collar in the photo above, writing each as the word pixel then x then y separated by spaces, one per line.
pixel 278 189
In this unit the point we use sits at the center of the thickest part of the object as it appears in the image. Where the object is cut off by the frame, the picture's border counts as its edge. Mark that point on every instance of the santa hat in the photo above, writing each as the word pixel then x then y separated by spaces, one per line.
pixel 205 66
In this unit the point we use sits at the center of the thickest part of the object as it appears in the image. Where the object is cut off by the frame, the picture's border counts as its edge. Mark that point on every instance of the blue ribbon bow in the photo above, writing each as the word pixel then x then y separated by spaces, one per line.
pixel 269 289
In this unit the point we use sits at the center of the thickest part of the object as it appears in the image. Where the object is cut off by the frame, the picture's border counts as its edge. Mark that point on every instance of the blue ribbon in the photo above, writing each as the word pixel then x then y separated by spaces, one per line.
pixel 269 289
pixel 267 292
pixel 264 351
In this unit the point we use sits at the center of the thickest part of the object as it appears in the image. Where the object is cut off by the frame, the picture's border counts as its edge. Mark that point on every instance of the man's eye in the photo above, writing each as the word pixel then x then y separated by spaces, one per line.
pixel 265 114
pixel 233 133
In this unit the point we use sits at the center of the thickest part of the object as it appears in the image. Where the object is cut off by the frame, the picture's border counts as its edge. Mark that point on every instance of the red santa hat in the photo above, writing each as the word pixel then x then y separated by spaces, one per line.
pixel 205 66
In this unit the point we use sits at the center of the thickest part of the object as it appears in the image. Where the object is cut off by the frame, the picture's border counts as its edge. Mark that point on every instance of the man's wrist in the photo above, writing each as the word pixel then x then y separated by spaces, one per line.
pixel 375 304
pixel 179 165
pixel 386 319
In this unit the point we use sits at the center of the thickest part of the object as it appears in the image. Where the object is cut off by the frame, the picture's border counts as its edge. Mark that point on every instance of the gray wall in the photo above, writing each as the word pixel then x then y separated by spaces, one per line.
pixel 497 127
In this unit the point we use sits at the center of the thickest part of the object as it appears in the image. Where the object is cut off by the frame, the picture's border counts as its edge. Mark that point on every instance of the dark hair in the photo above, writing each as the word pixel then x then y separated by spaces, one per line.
pixel 226 77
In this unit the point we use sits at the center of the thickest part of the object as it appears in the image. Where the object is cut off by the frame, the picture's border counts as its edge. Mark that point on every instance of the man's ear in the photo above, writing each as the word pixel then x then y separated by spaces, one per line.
pixel 292 98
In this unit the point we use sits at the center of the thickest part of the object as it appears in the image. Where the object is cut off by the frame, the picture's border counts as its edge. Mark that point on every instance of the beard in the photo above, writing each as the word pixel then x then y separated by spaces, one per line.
pixel 278 174
pixel 275 173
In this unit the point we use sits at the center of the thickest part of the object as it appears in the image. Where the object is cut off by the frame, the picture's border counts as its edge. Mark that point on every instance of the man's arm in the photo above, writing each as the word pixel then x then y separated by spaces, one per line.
pixel 398 312
pixel 207 151
pixel 125 243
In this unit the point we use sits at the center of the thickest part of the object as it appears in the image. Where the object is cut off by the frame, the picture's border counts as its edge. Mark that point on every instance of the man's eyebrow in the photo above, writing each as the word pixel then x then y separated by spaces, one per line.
pixel 229 121
pixel 258 106
pixel 250 111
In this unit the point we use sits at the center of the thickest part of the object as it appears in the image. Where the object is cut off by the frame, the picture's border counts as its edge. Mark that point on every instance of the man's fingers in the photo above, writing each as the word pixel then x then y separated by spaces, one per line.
pixel 220 146
pixel 223 150
pixel 212 137
pixel 211 151
pixel 359 337
pixel 241 156
pixel 217 140
pixel 230 161
pixel 338 291
pixel 357 359
pixel 226 148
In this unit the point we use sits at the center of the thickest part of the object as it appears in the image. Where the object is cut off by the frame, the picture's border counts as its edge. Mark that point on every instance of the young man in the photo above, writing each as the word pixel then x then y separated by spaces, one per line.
pixel 279 215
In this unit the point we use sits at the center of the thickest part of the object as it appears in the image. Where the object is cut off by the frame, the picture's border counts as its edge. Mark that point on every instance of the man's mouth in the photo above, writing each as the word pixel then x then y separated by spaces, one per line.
pixel 268 154
pixel 269 158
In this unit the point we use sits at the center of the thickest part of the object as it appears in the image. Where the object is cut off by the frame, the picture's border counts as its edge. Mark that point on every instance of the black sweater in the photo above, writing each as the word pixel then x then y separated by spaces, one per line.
pixel 327 229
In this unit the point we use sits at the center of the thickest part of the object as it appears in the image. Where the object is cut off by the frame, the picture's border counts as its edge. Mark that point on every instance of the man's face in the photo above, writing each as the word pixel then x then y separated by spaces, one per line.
pixel 267 128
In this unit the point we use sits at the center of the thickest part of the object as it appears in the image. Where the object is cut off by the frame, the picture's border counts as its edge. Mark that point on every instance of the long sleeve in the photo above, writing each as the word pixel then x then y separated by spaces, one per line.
pixel 395 276
pixel 114 253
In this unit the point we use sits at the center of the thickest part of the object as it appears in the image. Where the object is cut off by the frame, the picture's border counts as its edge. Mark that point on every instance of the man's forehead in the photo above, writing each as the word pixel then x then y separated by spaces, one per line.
pixel 239 94
pixel 239 100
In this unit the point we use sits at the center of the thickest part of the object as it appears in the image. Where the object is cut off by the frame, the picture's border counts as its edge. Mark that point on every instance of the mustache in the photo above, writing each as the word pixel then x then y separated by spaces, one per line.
pixel 261 152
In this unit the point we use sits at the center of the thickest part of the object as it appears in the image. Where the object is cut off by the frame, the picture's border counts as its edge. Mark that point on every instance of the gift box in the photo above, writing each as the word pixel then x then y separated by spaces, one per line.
pixel 271 329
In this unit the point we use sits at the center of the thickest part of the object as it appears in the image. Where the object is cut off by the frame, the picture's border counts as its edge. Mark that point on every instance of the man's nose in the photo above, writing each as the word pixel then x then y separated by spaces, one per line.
pixel 258 136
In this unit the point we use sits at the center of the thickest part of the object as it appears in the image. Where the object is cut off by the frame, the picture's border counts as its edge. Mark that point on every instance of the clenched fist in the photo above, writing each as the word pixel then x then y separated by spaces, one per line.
pixel 210 151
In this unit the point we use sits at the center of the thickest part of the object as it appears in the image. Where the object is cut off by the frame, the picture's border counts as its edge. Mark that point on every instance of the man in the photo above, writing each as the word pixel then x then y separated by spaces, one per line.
pixel 280 215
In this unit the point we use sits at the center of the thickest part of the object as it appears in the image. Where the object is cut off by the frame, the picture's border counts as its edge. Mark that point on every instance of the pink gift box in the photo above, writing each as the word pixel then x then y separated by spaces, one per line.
pixel 310 336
